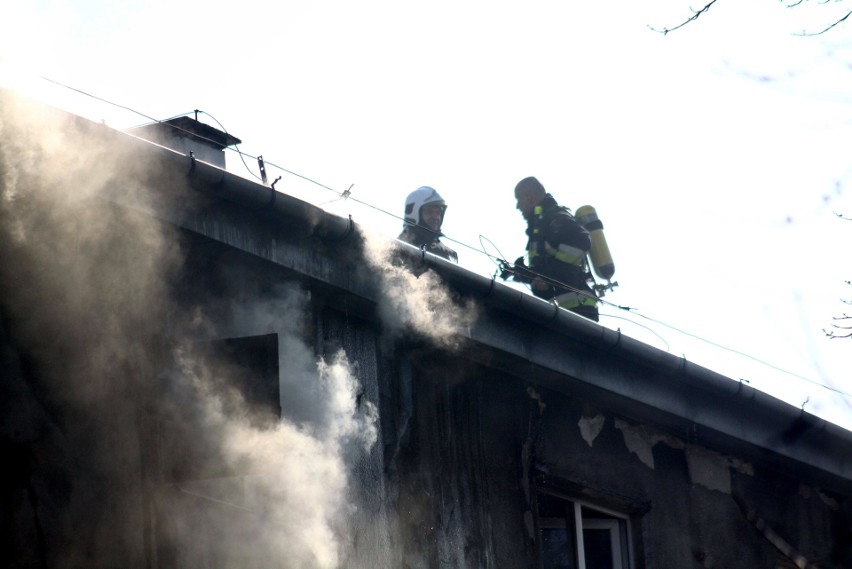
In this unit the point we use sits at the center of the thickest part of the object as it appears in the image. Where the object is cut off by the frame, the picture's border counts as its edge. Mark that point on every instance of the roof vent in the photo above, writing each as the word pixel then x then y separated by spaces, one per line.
pixel 185 135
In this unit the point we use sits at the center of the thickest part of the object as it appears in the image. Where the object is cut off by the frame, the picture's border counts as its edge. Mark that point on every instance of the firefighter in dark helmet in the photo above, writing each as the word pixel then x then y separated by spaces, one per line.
pixel 424 215
pixel 556 250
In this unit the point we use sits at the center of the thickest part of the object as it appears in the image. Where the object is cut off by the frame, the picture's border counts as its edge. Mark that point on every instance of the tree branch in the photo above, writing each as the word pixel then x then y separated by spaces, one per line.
pixel 695 15
pixel 809 34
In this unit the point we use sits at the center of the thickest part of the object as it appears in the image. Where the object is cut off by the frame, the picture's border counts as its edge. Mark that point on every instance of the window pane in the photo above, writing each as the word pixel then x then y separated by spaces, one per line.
pixel 556 549
pixel 598 546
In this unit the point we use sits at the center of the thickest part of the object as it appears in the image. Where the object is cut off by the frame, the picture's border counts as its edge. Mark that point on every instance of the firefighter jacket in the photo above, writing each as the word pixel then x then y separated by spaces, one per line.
pixel 427 239
pixel 557 250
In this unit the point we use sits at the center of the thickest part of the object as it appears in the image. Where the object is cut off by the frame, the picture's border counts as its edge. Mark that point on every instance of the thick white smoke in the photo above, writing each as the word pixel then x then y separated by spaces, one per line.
pixel 412 299
pixel 291 490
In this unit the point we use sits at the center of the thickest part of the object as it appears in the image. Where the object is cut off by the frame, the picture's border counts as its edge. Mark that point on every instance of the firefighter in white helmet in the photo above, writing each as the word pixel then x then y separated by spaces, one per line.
pixel 424 215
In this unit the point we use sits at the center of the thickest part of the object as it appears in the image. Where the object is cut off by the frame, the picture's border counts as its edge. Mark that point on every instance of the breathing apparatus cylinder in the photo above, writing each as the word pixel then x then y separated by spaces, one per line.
pixel 599 253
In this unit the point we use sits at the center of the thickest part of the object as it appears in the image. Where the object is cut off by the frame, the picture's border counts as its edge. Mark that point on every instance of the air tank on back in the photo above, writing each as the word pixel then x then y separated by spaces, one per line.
pixel 599 253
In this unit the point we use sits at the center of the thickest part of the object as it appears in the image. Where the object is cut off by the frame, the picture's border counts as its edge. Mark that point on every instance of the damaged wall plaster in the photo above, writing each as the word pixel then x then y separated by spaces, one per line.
pixel 709 469
pixel 706 468
pixel 639 441
pixel 591 427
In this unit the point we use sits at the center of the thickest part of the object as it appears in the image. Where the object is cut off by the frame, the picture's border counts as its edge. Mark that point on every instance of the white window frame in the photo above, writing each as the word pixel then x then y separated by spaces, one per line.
pixel 614 527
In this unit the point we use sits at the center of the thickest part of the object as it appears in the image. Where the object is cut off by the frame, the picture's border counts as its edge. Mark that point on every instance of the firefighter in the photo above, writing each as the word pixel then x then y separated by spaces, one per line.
pixel 556 250
pixel 424 215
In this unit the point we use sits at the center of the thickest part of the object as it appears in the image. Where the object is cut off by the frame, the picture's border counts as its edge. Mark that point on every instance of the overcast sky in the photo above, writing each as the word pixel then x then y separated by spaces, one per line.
pixel 716 155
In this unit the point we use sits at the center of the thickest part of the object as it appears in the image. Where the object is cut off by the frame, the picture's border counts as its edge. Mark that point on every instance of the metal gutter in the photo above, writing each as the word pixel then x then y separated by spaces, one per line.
pixel 217 183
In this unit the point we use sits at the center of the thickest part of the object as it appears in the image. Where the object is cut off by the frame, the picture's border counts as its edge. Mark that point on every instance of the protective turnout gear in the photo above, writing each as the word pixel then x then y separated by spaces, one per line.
pixel 416 231
pixel 556 252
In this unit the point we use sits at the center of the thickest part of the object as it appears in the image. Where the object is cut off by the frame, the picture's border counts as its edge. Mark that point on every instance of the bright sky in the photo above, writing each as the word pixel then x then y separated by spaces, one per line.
pixel 716 155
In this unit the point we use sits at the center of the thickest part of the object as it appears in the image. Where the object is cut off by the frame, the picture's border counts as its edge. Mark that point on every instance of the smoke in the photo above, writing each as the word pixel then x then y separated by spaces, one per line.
pixel 290 496
pixel 145 445
pixel 81 287
pixel 414 298
pixel 314 393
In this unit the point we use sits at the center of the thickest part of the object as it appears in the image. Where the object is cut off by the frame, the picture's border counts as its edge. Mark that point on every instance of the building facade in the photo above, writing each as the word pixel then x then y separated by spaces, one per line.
pixel 200 371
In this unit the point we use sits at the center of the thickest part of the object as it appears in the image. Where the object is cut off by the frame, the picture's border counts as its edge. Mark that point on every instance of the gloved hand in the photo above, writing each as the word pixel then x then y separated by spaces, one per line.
pixel 519 271
pixel 505 270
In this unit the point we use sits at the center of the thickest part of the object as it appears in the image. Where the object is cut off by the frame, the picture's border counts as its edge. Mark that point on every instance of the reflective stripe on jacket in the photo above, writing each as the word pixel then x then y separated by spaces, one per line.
pixel 557 251
pixel 569 300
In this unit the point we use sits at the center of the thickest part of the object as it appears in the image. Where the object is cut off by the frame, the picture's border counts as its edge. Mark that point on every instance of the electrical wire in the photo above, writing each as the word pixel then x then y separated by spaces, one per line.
pixel 157 121
pixel 498 260
pixel 648 328
pixel 70 88
pixel 499 256
pixel 165 122
pixel 745 355
pixel 235 145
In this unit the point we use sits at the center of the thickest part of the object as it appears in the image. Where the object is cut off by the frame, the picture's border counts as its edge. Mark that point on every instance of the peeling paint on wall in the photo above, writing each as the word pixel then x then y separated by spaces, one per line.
pixel 828 500
pixel 638 441
pixel 709 469
pixel 741 466
pixel 537 397
pixel 590 427
pixel 659 437
pixel 808 492
pixel 706 468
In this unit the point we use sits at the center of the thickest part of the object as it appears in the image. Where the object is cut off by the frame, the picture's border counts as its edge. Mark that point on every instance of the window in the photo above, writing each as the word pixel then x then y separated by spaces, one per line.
pixel 576 535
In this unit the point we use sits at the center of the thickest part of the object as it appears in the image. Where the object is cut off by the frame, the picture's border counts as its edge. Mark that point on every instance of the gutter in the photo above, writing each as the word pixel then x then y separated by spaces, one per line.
pixel 217 183
pixel 256 196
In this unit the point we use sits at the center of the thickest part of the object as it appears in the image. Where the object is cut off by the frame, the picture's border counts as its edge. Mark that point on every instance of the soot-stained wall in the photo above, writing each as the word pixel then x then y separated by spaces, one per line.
pixel 461 453
pixel 483 443
pixel 459 466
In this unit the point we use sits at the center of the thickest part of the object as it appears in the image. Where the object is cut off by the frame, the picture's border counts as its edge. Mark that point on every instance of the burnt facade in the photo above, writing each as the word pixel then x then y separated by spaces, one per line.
pixel 199 371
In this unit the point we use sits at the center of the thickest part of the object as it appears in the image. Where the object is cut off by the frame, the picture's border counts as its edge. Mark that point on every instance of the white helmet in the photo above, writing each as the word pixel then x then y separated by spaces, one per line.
pixel 423 195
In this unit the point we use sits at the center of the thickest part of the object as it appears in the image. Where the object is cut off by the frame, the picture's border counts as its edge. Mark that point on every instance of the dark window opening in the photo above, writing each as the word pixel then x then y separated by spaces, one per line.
pixel 576 535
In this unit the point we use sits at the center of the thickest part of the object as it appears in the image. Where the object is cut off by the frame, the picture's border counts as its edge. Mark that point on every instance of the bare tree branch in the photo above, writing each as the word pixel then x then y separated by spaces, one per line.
pixel 695 15
pixel 787 4
pixel 808 34
pixel 845 318
pixel 833 335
